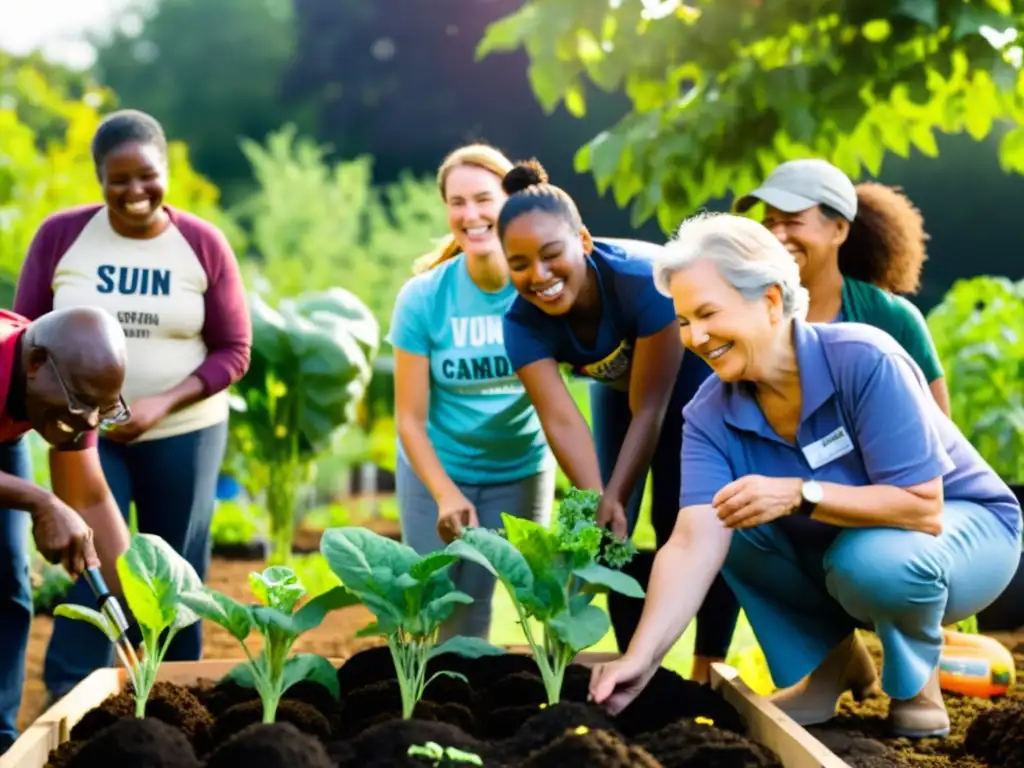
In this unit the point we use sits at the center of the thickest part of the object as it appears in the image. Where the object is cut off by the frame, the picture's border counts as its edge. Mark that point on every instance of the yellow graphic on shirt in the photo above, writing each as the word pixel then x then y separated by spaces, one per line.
pixel 613 367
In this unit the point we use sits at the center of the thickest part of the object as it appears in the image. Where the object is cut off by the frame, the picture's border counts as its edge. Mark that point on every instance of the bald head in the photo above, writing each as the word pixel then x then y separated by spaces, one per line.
pixel 73 363
pixel 84 341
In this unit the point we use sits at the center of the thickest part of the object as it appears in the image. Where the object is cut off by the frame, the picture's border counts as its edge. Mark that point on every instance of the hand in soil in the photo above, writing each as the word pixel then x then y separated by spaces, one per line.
pixel 615 684
pixel 62 536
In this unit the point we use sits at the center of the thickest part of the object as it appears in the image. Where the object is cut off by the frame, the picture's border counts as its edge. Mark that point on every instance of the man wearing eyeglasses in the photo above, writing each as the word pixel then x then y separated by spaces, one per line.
pixel 60 375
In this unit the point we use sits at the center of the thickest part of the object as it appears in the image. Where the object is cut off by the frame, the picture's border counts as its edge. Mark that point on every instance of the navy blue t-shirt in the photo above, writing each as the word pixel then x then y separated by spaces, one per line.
pixel 632 308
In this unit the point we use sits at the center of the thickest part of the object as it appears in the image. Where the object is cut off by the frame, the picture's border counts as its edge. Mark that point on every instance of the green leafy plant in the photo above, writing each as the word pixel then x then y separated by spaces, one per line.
pixel 553 576
pixel 978 330
pixel 278 592
pixel 311 363
pixel 236 523
pixel 439 756
pixel 153 578
pixel 410 596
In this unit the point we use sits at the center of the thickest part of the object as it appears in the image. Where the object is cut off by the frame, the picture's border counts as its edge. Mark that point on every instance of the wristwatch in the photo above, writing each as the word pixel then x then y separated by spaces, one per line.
pixel 811 494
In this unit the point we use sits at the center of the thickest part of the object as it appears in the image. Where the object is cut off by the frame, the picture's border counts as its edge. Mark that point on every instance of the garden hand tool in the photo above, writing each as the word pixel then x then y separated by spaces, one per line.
pixel 975 665
pixel 108 605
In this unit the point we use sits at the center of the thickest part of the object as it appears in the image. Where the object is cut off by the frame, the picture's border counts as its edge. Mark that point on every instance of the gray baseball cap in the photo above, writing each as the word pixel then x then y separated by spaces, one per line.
pixel 801 184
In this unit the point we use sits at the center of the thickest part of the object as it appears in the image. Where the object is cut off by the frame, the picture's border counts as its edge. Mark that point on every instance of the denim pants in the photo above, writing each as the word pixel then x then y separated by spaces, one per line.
pixel 611 416
pixel 173 482
pixel 530 498
pixel 802 601
pixel 15 594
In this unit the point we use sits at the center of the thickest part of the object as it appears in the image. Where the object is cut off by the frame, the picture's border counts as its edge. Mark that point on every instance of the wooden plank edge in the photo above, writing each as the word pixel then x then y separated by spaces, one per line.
pixel 770 726
pixel 32 748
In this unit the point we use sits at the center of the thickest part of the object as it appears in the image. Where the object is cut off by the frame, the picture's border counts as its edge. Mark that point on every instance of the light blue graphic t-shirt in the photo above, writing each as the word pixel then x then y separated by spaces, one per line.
pixel 481 421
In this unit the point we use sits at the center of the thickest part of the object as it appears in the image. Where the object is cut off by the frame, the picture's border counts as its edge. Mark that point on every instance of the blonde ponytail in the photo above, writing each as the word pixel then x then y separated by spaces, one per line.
pixel 448 249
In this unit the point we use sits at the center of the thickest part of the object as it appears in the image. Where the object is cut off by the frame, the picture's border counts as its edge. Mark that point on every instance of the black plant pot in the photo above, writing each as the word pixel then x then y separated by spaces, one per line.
pixel 258 549
pixel 1006 614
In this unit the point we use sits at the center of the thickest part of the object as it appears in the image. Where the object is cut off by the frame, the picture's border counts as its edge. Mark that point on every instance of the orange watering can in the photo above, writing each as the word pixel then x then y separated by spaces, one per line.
pixel 976 665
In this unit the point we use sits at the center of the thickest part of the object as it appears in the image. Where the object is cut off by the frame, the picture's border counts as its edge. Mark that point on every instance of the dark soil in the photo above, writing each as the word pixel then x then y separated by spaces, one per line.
pixel 984 733
pixel 500 715
pixel 270 745
pixel 134 743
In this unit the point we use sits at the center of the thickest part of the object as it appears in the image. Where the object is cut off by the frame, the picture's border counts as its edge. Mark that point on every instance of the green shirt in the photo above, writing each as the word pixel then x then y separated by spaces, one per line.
pixel 869 304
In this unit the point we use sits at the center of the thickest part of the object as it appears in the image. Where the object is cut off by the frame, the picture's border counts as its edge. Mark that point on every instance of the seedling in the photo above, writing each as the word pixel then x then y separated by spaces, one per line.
pixel 553 576
pixel 277 591
pixel 410 596
pixel 443 756
pixel 153 578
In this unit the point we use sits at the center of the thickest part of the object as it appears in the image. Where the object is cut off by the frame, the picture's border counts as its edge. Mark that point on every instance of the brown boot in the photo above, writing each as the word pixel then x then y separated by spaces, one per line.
pixel 848 667
pixel 922 716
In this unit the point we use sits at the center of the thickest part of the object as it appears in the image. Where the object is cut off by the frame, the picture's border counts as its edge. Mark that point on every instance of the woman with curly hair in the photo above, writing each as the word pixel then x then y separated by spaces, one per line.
pixel 858 248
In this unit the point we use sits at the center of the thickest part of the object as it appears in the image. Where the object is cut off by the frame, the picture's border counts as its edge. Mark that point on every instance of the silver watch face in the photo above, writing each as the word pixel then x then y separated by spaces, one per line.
pixel 812 492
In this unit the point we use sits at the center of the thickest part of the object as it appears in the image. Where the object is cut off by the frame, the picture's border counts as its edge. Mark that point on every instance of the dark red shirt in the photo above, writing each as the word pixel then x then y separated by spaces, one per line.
pixel 12 327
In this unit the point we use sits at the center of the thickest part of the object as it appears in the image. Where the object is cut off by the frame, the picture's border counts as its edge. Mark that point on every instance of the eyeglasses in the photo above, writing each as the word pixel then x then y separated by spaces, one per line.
pixel 109 417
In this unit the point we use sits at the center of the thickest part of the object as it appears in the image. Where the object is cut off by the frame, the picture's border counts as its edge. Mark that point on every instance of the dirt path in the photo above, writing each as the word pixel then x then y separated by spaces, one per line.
pixel 334 638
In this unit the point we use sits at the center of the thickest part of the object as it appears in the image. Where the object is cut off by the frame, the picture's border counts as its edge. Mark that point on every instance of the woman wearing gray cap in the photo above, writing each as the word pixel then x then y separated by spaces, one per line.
pixel 858 248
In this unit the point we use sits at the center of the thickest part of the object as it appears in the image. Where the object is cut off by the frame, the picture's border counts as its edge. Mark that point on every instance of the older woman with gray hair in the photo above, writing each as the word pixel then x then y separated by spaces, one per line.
pixel 822 478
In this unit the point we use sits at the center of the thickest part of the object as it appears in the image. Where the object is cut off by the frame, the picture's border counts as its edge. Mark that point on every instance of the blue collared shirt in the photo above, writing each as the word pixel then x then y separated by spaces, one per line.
pixel 867 418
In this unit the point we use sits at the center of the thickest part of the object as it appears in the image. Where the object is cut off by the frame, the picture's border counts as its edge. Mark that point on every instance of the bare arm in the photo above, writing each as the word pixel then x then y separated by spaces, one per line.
pixel 77 479
pixel 693 556
pixel 941 394
pixel 655 369
pixel 190 390
pixel 917 508
pixel 412 404
pixel 564 426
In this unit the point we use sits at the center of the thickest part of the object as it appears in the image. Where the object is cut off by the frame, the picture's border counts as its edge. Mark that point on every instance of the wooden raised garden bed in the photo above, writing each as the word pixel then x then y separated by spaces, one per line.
pixel 552 743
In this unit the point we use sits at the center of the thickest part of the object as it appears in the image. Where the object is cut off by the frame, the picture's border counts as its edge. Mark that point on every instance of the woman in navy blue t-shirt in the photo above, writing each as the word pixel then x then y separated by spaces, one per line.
pixel 593 305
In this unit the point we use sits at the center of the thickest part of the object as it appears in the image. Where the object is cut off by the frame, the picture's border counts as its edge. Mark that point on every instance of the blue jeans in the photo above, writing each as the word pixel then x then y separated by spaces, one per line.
pixel 611 416
pixel 530 498
pixel 173 482
pixel 803 600
pixel 15 594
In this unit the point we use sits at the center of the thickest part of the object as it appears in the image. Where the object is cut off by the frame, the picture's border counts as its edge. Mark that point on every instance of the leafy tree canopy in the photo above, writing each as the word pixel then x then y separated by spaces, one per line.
pixel 722 91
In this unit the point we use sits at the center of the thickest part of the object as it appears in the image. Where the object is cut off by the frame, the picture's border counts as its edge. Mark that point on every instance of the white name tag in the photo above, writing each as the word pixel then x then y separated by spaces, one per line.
pixel 829 448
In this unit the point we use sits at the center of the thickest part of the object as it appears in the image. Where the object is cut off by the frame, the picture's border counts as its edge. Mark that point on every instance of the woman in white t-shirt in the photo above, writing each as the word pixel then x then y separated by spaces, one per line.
pixel 172 281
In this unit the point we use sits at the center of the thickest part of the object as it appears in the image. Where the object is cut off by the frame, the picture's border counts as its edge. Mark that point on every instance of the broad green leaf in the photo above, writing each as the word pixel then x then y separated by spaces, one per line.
pixel 221 610
pixel 435 561
pixel 310 616
pixel 605 153
pixel 241 674
pixel 89 616
pixel 316 669
pixel 468 647
pixel 373 629
pixel 364 560
pixel 153 577
pixel 582 630
pixel 267 619
pixel 508 33
pixel 616 581
pixel 438 610
pixel 488 549
pixel 345 306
